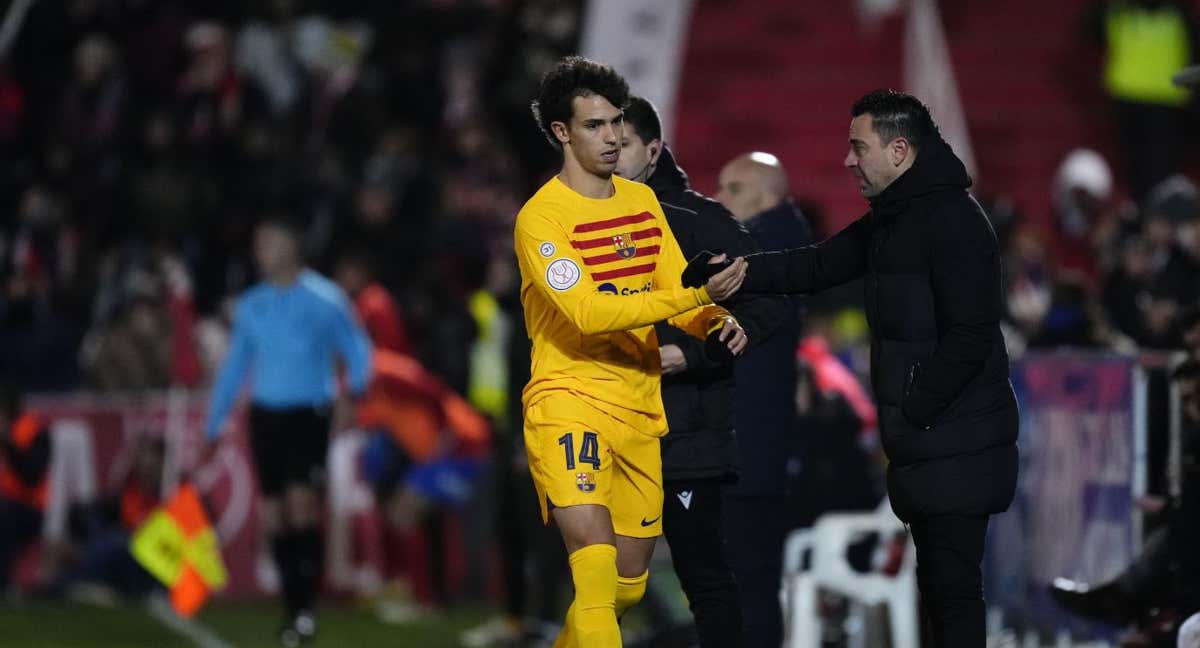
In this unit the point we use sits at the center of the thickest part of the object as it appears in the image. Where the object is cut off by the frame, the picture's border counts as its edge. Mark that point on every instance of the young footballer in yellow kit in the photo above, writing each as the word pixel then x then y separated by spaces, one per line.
pixel 599 266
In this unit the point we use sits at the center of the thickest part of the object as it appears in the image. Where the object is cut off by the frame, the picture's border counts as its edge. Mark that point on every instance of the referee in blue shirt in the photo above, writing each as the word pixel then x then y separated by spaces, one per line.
pixel 287 333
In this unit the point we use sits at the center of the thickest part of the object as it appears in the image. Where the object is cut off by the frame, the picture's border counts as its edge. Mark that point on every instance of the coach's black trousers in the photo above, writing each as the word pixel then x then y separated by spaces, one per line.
pixel 694 525
pixel 949 550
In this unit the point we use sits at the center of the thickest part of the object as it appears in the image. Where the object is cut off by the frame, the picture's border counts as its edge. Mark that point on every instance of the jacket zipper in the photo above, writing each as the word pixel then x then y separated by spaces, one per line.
pixel 912 376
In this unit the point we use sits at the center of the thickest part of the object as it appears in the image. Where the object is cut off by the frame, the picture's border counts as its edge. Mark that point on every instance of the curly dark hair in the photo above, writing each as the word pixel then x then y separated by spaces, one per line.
pixel 575 76
pixel 897 114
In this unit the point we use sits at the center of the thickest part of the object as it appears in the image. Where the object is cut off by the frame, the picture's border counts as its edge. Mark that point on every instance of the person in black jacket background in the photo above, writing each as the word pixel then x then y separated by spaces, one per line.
pixel 939 368
pixel 699 452
pixel 754 187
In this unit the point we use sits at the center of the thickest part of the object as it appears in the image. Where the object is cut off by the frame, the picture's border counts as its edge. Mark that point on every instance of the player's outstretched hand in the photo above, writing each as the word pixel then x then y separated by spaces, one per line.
pixel 725 283
pixel 702 267
pixel 734 337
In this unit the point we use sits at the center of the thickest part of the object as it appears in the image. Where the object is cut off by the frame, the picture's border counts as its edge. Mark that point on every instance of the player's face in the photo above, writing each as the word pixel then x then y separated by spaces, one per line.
pixel 594 135
pixel 636 157
pixel 275 248
pixel 868 160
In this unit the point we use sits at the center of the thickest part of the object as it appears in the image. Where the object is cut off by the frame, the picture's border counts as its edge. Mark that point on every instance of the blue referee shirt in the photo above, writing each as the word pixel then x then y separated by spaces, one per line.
pixel 289 336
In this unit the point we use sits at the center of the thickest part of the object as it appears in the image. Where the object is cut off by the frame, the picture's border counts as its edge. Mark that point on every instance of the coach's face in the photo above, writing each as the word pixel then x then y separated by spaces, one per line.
pixel 874 163
pixel 593 137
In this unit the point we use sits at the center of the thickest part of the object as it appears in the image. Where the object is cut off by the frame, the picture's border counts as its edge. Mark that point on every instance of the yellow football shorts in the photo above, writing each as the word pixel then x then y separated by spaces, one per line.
pixel 579 454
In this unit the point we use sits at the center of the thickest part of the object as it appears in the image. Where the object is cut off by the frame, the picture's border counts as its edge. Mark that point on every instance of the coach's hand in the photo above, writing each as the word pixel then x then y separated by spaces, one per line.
pixel 702 267
pixel 725 283
pixel 672 359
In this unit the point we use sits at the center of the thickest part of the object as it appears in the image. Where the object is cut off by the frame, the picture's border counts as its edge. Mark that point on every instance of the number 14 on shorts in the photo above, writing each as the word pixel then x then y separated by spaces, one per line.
pixel 589 451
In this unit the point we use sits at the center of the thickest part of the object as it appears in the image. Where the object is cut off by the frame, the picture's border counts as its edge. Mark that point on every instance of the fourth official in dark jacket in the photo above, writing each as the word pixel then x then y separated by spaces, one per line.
pixel 699 451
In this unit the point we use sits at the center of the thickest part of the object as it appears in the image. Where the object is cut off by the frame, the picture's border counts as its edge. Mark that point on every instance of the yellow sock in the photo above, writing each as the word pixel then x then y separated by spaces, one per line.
pixel 591 621
pixel 630 591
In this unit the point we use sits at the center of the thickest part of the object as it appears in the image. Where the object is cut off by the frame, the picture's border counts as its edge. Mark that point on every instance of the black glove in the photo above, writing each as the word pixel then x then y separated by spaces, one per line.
pixel 717 350
pixel 699 270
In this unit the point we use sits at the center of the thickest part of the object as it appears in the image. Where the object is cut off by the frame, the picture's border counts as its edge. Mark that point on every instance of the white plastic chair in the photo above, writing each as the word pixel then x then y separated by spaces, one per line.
pixel 826 544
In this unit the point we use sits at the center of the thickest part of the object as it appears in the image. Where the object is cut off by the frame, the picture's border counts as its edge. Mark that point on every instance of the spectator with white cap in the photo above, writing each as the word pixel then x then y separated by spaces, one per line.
pixel 1082 188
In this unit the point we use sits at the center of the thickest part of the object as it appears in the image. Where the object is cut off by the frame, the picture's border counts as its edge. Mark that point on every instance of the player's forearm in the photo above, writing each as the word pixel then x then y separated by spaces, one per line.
pixel 217 412
pixel 223 394
pixel 698 323
pixel 600 313
pixel 359 361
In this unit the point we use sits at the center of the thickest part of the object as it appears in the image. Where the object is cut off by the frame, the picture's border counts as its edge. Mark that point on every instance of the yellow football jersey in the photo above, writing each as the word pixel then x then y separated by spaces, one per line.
pixel 596 274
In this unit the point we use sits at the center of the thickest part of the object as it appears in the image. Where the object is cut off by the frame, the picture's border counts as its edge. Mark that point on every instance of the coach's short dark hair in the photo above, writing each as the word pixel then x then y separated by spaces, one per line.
pixel 642 117
pixel 897 114
pixel 575 76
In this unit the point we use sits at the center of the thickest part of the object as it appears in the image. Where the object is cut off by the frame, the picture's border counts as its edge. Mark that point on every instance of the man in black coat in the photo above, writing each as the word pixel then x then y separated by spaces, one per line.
pixel 699 452
pixel 754 187
pixel 939 368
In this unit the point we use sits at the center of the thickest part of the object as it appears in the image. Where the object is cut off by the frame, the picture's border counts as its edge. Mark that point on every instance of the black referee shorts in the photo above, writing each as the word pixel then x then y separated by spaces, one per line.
pixel 289 447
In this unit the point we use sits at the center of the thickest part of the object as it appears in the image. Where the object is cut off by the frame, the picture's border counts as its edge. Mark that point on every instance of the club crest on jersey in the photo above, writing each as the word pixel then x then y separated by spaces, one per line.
pixel 626 248
pixel 585 481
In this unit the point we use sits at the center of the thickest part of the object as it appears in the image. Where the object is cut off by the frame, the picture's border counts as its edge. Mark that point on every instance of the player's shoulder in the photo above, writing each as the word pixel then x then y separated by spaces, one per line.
pixel 638 197
pixel 635 189
pixel 541 207
pixel 322 289
pixel 251 295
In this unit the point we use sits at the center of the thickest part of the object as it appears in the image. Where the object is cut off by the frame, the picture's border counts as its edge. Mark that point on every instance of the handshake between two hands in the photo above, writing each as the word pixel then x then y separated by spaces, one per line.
pixel 720 275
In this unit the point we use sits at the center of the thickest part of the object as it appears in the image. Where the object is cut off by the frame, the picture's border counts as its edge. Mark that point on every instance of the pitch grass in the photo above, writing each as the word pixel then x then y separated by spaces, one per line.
pixel 50 624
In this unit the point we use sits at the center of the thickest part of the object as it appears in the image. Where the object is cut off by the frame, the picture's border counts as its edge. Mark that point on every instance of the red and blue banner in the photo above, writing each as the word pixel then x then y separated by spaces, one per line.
pixel 1073 515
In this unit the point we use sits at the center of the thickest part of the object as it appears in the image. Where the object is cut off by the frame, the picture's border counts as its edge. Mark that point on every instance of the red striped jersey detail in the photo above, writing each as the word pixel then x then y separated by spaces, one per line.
pixel 588 244
pixel 613 222
pixel 609 258
pixel 623 272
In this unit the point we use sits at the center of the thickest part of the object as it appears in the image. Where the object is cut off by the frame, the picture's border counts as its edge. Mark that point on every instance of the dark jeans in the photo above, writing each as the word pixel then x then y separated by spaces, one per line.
pixel 755 527
pixel 694 526
pixel 949 550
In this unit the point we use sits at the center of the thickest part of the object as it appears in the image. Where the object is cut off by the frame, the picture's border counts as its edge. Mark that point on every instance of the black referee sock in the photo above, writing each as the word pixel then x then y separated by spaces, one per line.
pixel 284 547
pixel 309 565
